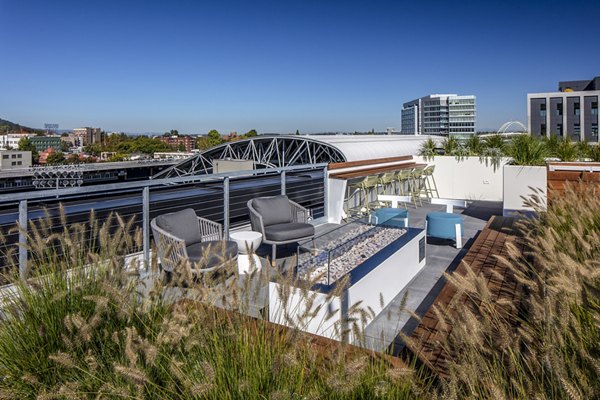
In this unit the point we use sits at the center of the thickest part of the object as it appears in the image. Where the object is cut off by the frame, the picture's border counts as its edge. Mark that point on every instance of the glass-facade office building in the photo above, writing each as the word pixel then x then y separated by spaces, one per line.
pixel 440 114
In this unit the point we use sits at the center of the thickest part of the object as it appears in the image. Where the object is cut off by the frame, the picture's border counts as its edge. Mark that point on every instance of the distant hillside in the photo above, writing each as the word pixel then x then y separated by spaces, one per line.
pixel 16 127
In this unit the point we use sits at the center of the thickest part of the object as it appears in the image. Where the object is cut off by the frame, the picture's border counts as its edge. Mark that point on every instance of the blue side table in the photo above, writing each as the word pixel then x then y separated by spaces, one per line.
pixel 397 217
pixel 445 225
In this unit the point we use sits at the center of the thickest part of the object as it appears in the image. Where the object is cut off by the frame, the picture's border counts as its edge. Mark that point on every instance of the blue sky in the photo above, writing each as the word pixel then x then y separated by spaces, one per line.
pixel 278 66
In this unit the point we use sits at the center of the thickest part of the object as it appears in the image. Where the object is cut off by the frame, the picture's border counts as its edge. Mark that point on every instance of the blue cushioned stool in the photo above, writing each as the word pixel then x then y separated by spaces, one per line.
pixel 397 217
pixel 445 225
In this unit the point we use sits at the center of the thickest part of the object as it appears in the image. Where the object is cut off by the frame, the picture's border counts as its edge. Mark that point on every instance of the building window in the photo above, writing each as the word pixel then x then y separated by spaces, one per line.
pixel 19 162
pixel 543 129
pixel 19 155
pixel 576 108
pixel 594 108
pixel 543 110
pixel 595 130
pixel 559 129
pixel 559 109
pixel 576 129
pixel 5 156
pixel 14 163
pixel 13 156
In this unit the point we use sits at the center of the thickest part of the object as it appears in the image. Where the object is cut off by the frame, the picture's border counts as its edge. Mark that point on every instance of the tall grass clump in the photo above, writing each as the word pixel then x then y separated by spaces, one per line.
pixel 428 149
pixel 544 344
pixel 85 326
pixel 527 150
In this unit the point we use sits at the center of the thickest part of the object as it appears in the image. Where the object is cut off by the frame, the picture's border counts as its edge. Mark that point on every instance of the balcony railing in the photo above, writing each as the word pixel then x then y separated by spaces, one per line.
pixel 219 197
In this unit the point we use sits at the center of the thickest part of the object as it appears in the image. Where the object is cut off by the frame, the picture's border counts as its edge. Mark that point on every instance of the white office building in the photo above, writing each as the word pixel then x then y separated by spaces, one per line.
pixel 439 114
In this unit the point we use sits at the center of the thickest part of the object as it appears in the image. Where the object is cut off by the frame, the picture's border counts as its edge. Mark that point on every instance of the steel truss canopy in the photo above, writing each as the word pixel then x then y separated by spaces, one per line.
pixel 265 151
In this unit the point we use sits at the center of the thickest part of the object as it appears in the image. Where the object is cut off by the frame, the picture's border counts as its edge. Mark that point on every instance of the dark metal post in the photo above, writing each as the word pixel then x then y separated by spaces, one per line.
pixel 226 207
pixel 146 224
pixel 23 271
pixel 325 194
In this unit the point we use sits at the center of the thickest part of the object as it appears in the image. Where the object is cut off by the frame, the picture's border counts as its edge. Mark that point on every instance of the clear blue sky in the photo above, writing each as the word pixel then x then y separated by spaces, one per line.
pixel 278 66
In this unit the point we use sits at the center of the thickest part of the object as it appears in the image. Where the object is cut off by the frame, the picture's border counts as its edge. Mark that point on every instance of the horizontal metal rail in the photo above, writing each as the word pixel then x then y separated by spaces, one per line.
pixel 99 189
pixel 220 197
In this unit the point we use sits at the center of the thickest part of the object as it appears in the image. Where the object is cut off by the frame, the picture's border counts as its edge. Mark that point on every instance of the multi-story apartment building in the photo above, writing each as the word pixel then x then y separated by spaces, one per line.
pixel 89 135
pixel 11 140
pixel 439 114
pixel 43 143
pixel 176 142
pixel 571 112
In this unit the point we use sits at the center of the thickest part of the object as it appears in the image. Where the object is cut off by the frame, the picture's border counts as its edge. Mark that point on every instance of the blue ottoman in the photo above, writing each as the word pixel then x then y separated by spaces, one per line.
pixel 445 225
pixel 397 217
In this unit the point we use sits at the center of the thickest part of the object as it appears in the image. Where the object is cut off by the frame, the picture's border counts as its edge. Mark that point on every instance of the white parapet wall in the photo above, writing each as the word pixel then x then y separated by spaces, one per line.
pixel 520 183
pixel 469 178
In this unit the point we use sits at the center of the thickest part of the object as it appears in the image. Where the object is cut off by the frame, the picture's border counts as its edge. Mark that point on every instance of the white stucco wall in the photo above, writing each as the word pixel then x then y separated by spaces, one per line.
pixel 518 181
pixel 467 179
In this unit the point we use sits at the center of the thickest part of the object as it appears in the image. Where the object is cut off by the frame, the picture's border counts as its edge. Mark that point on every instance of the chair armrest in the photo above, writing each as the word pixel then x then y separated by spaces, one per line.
pixel 171 249
pixel 299 213
pixel 210 230
pixel 256 221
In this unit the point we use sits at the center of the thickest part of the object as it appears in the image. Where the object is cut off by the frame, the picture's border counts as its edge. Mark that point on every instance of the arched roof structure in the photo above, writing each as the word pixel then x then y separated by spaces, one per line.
pixel 506 125
pixel 283 151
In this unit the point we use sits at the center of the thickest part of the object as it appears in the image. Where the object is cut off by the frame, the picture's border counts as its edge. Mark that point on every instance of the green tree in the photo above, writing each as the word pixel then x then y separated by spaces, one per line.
pixel 214 138
pixel 297 132
pixel 251 133
pixel 181 147
pixel 26 145
pixel 202 143
pixel 117 157
pixel 93 149
pixel 73 159
pixel 56 158
pixel 65 146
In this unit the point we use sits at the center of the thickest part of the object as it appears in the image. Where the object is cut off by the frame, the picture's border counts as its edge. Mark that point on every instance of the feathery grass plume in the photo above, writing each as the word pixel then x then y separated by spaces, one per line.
pixel 537 344
pixel 123 340
pixel 63 359
pixel 135 375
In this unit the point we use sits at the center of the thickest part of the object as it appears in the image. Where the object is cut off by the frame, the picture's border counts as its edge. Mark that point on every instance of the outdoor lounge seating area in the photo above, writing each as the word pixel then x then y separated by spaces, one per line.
pixel 182 235
pixel 280 221
pixel 428 236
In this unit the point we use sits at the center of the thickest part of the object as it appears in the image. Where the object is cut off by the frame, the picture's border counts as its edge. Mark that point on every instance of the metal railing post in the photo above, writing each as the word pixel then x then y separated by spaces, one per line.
pixel 283 183
pixel 146 224
pixel 226 207
pixel 325 193
pixel 23 271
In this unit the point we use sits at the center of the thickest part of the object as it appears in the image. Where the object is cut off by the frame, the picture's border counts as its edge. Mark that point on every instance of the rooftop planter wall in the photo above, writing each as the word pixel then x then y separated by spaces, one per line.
pixel 520 183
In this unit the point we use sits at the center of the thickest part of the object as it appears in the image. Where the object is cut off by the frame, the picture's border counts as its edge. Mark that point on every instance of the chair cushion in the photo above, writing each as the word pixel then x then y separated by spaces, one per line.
pixel 289 231
pixel 182 224
pixel 274 210
pixel 212 253
pixel 390 216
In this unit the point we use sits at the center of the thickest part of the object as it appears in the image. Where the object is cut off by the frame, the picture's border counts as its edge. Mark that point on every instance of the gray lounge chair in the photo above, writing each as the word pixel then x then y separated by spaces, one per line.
pixel 280 220
pixel 182 235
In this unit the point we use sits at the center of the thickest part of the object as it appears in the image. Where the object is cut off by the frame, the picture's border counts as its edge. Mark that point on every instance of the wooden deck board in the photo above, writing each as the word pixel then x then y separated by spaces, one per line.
pixel 483 260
